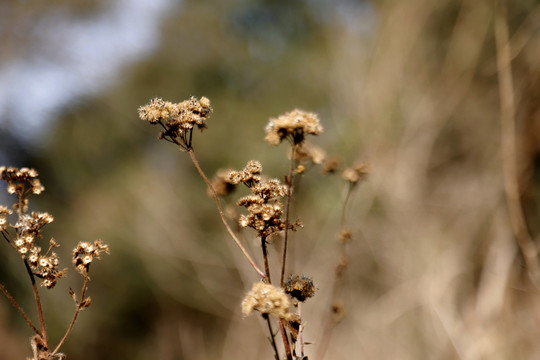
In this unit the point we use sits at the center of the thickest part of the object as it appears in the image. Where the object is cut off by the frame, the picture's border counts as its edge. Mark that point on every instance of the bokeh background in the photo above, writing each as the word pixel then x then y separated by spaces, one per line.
pixel 410 87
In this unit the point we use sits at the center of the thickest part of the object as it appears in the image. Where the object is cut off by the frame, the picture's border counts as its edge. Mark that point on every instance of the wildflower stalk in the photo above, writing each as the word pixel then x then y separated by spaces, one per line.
pixel 272 337
pixel 287 211
pixel 18 307
pixel 43 333
pixel 220 210
pixel 80 306
pixel 265 256
pixel 285 340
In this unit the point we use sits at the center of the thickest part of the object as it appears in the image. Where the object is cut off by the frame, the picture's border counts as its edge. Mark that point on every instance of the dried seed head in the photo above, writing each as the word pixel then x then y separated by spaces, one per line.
pixel 18 181
pixel 249 175
pixel 222 184
pixel 308 153
pixel 177 119
pixel 85 253
pixel 331 165
pixel 157 110
pixel 300 287
pixel 294 126
pixel 267 299
pixel 355 174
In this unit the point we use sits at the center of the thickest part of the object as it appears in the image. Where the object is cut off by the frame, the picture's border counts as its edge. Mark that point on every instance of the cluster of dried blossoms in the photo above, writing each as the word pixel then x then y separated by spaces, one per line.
pixel 177 120
pixel 293 126
pixel 263 204
pixel 23 236
pixel 266 213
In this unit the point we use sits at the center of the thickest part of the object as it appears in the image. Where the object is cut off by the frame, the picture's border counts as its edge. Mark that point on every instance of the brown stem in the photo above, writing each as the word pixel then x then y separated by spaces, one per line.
pixel 265 257
pixel 301 330
pixel 285 340
pixel 287 212
pixel 43 333
pixel 272 337
pixel 8 295
pixel 330 322
pixel 508 149
pixel 222 215
pixel 79 308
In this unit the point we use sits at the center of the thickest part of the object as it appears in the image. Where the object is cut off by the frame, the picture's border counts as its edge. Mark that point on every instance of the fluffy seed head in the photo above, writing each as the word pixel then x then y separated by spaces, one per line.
pixel 267 299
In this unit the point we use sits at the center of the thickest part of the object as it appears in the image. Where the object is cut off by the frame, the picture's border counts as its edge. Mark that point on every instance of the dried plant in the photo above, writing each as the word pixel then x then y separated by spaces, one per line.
pixel 24 235
pixel 268 209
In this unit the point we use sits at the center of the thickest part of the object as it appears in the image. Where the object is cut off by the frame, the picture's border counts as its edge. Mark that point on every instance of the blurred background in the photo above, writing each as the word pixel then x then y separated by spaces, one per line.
pixel 410 87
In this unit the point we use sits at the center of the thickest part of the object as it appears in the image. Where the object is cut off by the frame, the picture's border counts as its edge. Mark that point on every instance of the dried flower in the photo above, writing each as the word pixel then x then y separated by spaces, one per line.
pixel 308 153
pixel 85 252
pixel 19 179
pixel 356 173
pixel 300 287
pixel 179 119
pixel 249 175
pixel 267 299
pixel 294 126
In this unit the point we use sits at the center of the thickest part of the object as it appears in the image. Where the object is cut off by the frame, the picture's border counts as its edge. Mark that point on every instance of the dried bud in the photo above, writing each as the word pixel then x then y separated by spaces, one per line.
pixel 300 287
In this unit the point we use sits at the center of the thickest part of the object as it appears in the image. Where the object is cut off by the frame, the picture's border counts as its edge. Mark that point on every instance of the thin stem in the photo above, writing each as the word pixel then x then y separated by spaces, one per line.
pixel 10 242
pixel 265 256
pixel 301 330
pixel 222 215
pixel 43 333
pixel 79 307
pixel 508 149
pixel 285 340
pixel 330 321
pixel 272 337
pixel 8 295
pixel 287 212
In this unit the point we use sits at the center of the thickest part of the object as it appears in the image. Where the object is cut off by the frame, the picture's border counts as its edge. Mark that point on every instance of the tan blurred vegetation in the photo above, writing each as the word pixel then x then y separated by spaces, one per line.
pixel 411 87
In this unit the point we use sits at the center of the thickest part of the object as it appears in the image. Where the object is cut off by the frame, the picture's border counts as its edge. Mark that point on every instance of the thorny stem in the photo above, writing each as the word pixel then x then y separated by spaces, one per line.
pixel 508 147
pixel 14 302
pixel 79 308
pixel 222 215
pixel 43 333
pixel 287 212
pixel 272 337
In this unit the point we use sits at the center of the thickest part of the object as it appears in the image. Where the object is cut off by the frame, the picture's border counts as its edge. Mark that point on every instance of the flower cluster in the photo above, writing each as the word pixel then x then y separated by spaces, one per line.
pixel 308 153
pixel 355 174
pixel 268 299
pixel 28 228
pixel 23 182
pixel 178 120
pixel 249 175
pixel 45 266
pixel 293 126
pixel 300 287
pixel 263 204
pixel 4 212
pixel 85 253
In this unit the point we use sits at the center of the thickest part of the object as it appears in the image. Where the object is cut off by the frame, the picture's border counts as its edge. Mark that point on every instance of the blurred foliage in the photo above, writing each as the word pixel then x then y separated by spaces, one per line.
pixel 411 87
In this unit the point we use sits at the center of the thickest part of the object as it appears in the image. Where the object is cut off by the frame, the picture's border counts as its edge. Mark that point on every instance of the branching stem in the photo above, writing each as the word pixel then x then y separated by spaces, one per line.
pixel 79 308
pixel 222 215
